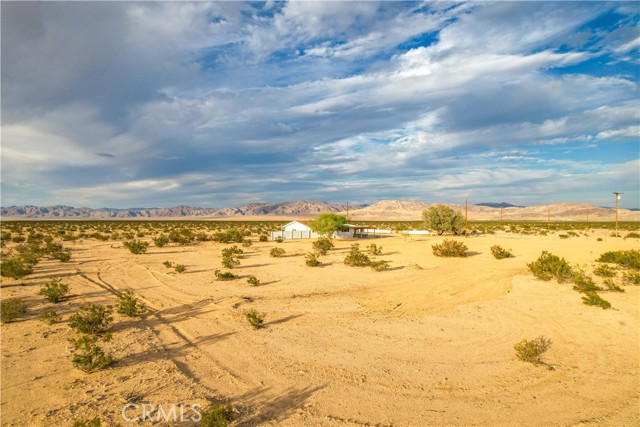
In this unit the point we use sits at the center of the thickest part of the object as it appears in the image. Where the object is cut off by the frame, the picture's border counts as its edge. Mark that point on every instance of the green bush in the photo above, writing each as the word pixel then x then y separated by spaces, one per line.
pixel 253 281
pixel 263 238
pixel 443 219
pixel 355 258
pixel 91 319
pixel 499 252
pixel 379 265
pixel 322 246
pixel 279 239
pixel 88 356
pixel 50 317
pixel 374 249
pixel 137 246
pixel 549 266
pixel 247 243
pixel 632 235
pixel 86 422
pixel 62 256
pixel 15 267
pixel 217 415
pixel 168 264
pixel 592 298
pixel 531 350
pixel 11 309
pixel 161 241
pixel 612 286
pixel 582 282
pixel 254 318
pixel 450 248
pixel 229 236
pixel 130 305
pixel 276 252
pixel 629 259
pixel 311 260
pixel 227 275
pixel 54 290
pixel 603 270
pixel 631 278
pixel 563 236
pixel 180 268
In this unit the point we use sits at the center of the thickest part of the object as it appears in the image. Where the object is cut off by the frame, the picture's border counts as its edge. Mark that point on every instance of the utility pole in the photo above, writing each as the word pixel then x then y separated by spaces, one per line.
pixel 466 213
pixel 618 194
pixel 548 217
pixel 347 210
pixel 501 216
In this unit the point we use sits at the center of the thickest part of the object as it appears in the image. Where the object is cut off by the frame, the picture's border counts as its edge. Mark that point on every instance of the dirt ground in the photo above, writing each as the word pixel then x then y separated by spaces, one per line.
pixel 429 342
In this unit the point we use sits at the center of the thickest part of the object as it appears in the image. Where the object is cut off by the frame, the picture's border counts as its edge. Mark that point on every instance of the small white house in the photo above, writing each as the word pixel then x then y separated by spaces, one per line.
pixel 297 226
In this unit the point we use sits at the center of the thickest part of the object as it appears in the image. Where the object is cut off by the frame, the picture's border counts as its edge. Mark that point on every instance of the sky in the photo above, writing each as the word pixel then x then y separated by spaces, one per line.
pixel 219 104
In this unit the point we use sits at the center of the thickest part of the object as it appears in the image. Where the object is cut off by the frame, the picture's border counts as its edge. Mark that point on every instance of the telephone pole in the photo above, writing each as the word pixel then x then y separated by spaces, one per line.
pixel 618 194
pixel 347 210
pixel 548 217
pixel 466 213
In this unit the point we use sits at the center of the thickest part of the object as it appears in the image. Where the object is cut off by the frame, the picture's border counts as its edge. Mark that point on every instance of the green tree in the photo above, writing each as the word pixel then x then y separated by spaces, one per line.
pixel 442 218
pixel 328 223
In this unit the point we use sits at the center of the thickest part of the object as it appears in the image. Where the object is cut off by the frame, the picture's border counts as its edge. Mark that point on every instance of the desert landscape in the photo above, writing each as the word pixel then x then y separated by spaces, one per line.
pixel 428 341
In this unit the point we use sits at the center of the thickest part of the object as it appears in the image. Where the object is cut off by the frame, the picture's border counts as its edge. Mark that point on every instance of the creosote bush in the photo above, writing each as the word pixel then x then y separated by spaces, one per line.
pixel 253 281
pixel 499 252
pixel 276 252
pixel 11 309
pixel 180 268
pixel 161 241
pixel 379 265
pixel 263 238
pixel 612 286
pixel 582 282
pixel 603 270
pixel 592 298
pixel 549 266
pixel 227 275
pixel 15 267
pixel 628 259
pixel 322 246
pixel 217 415
pixel 50 317
pixel 631 278
pixel 374 249
pixel 450 248
pixel 130 305
pixel 311 260
pixel 355 258
pixel 86 422
pixel 91 319
pixel 88 356
pixel 54 290
pixel 136 246
pixel 254 318
pixel 168 264
pixel 531 350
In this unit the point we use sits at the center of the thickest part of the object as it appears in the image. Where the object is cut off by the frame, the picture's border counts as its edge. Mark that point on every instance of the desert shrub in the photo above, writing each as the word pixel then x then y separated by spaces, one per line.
pixel 355 258
pixel 62 256
pixel 202 237
pixel 632 235
pixel 130 305
pixel 549 266
pixel 531 350
pixel 599 239
pixel 161 241
pixel 246 243
pixel 91 319
pixel 54 290
pixel 263 238
pixel 499 252
pixel 88 356
pixel 168 264
pixel 180 268
pixel 374 249
pixel 592 298
pixel 582 282
pixel 322 246
pixel 563 236
pixel 612 286
pixel 379 265
pixel 86 422
pixel 230 261
pixel 450 248
pixel 279 239
pixel 443 219
pixel 217 415
pixel 230 235
pixel 227 275
pixel 15 267
pixel 11 308
pixel 232 251
pixel 631 278
pixel 50 317
pixel 276 252
pixel 311 260
pixel 254 318
pixel 253 281
pixel 629 259
pixel 136 246
pixel 603 270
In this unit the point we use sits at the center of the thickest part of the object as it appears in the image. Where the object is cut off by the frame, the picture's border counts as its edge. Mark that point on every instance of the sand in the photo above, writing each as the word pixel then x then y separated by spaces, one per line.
pixel 429 342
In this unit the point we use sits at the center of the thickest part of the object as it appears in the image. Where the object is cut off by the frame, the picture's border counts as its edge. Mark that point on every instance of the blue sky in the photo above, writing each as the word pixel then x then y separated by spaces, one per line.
pixel 220 104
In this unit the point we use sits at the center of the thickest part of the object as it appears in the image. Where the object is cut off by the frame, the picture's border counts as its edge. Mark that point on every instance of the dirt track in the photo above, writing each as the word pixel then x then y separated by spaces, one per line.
pixel 429 342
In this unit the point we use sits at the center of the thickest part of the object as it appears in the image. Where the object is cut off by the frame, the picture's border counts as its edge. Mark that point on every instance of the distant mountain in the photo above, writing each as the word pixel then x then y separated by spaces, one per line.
pixel 293 208
pixel 498 205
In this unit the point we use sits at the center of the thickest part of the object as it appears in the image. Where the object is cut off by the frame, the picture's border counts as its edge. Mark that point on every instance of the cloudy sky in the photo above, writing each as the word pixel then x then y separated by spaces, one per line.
pixel 219 104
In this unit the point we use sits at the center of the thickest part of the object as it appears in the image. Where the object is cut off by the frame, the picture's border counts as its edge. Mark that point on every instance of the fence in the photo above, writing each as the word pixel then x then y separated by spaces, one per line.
pixel 308 234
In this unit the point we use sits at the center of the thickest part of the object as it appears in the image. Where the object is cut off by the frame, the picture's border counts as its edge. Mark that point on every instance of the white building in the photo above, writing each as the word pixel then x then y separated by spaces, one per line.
pixel 297 226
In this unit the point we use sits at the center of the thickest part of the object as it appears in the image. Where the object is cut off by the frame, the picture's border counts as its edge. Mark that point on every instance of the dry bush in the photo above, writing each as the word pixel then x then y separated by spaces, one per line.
pixel 276 252
pixel 355 258
pixel 311 260
pixel 450 248
pixel 50 317
pixel 254 318
pixel 531 350
pixel 130 305
pixel 91 319
pixel 11 309
pixel 379 265
pixel 603 270
pixel 88 356
pixel 180 268
pixel 592 298
pixel 253 281
pixel 374 249
pixel 227 275
pixel 136 247
pixel 628 259
pixel 549 266
pixel 499 252
pixel 322 246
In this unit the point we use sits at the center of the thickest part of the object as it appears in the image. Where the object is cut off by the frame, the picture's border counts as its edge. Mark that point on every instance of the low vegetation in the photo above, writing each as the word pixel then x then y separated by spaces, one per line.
pixel 88 356
pixel 549 266
pixel 311 260
pixel 180 268
pixel 130 305
pixel 631 278
pixel 254 318
pixel 50 317
pixel 531 350
pixel 137 247
pixel 356 258
pixel 592 298
pixel 322 246
pixel 223 276
pixel 450 248
pixel 627 259
pixel 91 319
pixel 54 290
pixel 253 281
pixel 276 252
pixel 379 265
pixel 218 415
pixel 86 422
pixel 603 270
pixel 374 249
pixel 499 252
pixel 11 309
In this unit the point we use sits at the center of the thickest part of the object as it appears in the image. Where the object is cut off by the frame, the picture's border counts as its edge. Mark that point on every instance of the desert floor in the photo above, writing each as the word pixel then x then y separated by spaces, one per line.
pixel 429 342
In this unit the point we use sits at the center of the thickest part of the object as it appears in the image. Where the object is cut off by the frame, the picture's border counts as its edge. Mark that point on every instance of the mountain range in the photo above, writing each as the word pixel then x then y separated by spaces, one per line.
pixel 389 210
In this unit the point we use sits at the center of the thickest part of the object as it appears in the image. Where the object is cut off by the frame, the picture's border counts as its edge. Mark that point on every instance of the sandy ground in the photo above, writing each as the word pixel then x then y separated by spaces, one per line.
pixel 429 342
